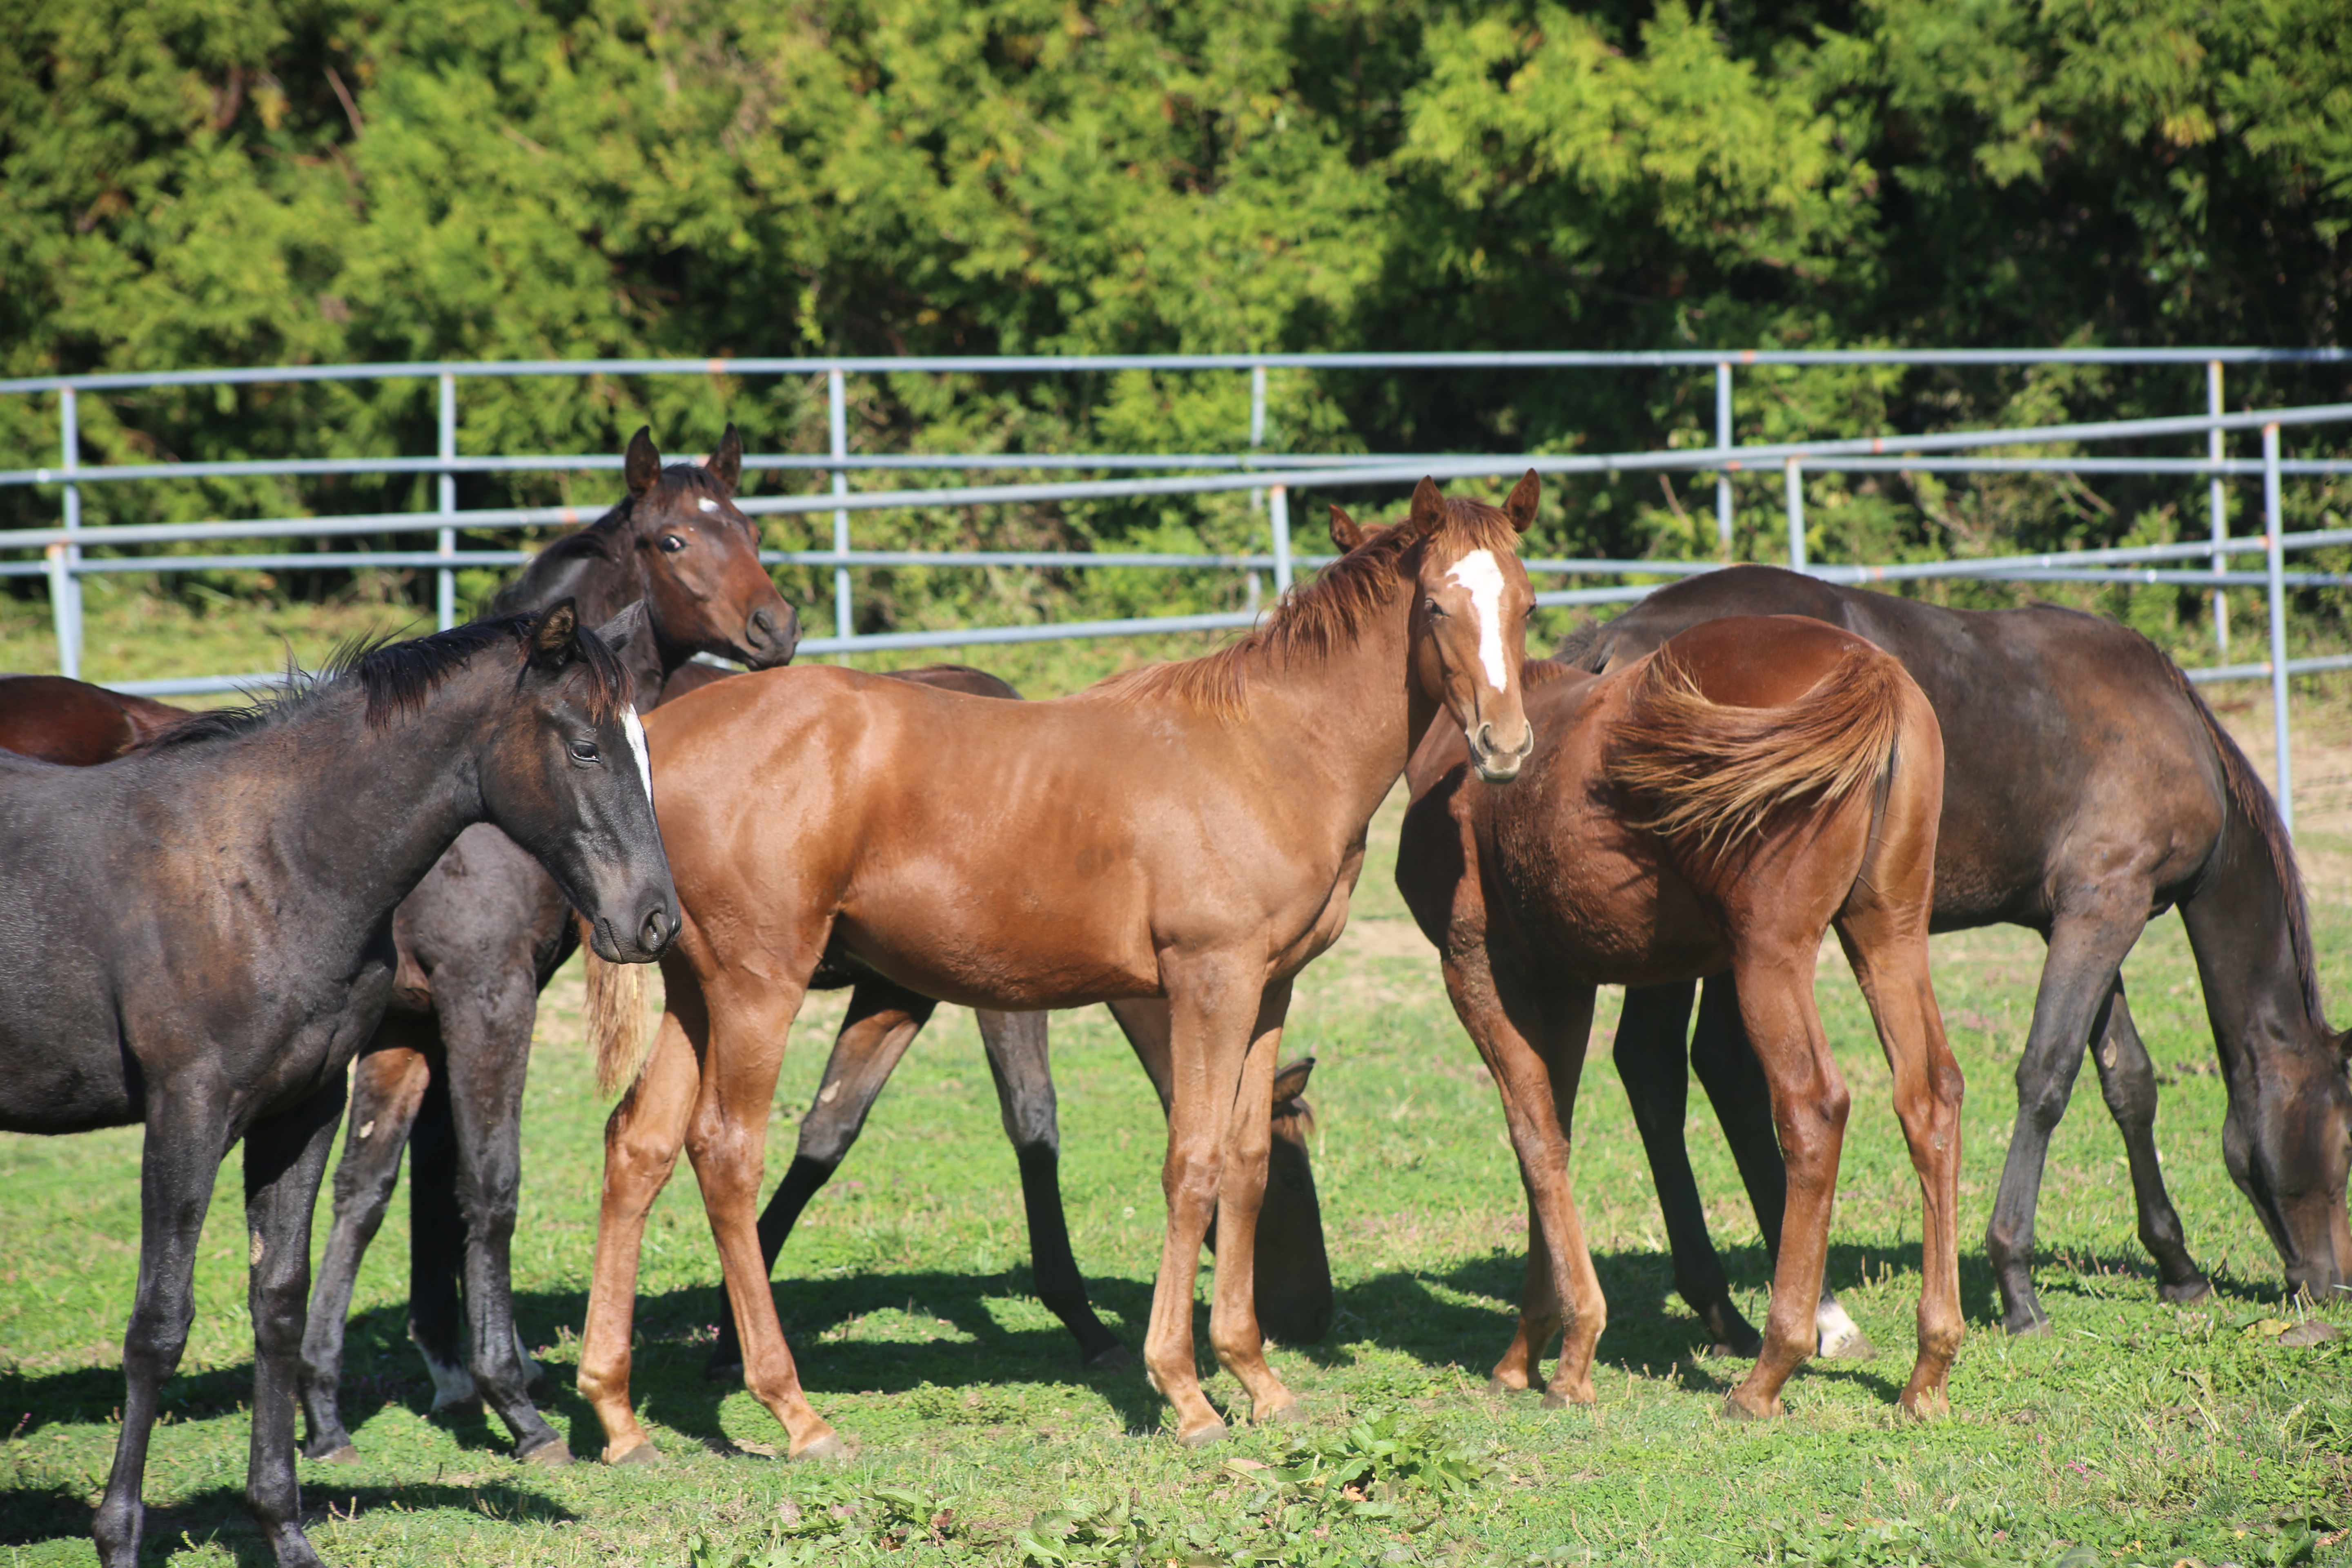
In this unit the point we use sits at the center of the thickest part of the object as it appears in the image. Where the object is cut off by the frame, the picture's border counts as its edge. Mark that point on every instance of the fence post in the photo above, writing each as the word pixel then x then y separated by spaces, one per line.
pixel 1280 510
pixel 838 414
pixel 1723 442
pixel 65 587
pixel 444 609
pixel 1796 515
pixel 2214 446
pixel 1277 517
pixel 2276 542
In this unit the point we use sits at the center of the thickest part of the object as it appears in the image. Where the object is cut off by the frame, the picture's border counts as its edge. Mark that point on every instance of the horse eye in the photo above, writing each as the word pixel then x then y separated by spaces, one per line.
pixel 586 752
pixel 671 543
pixel 1437 609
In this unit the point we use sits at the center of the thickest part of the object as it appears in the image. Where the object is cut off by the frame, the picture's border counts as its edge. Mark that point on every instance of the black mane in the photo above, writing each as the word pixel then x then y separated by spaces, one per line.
pixel 399 678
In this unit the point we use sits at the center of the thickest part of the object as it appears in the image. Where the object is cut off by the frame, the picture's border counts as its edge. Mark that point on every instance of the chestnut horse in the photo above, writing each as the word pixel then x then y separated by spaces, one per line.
pixel 1293 1274
pixel 1717 804
pixel 1189 832
pixel 2088 788
pixel 476 941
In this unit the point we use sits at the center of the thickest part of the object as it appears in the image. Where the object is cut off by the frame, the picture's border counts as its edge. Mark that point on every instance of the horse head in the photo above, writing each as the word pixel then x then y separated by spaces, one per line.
pixel 1469 614
pixel 566 775
pixel 700 557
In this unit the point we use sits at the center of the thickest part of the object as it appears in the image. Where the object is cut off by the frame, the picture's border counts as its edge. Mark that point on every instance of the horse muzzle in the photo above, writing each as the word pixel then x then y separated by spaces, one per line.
pixel 769 642
pixel 656 929
pixel 1494 762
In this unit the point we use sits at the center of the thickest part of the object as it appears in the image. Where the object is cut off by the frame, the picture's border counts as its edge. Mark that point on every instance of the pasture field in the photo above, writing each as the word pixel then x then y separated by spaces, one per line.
pixel 2136 1432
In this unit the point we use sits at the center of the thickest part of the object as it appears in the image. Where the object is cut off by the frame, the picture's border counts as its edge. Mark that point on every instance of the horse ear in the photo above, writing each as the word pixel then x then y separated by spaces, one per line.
pixel 1345 534
pixel 1520 506
pixel 552 639
pixel 726 464
pixel 1428 507
pixel 642 464
pixel 1291 1082
pixel 630 636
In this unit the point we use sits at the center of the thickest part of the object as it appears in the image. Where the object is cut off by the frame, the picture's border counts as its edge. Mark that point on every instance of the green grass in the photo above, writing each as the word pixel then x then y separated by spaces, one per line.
pixel 2136 1433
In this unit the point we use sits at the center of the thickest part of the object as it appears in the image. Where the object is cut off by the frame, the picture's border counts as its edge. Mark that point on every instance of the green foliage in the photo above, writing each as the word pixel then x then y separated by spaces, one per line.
pixel 310 180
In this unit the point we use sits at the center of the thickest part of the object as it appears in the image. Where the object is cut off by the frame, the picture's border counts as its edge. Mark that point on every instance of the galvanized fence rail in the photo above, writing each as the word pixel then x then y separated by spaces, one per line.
pixel 1271 475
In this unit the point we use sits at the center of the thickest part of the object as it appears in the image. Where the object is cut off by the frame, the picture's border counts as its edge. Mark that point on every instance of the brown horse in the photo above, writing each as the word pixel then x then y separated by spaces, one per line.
pixel 1717 804
pixel 1293 1274
pixel 1189 832
pixel 59 720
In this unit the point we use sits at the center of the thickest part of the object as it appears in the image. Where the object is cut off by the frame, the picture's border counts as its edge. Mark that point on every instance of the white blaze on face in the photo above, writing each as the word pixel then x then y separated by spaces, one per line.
pixel 706 504
pixel 637 734
pixel 1478 572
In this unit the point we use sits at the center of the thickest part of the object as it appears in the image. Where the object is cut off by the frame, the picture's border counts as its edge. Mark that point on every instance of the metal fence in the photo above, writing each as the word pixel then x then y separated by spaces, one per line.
pixel 61 557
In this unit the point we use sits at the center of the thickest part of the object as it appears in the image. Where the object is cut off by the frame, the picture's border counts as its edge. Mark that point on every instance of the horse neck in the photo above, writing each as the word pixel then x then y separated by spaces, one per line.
pixel 355 815
pixel 2242 928
pixel 1343 724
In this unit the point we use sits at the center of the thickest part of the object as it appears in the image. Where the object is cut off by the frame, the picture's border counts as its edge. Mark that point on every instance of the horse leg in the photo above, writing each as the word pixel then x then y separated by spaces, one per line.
pixel 726 1137
pixel 437 1249
pixel 1734 1080
pixel 1214 1014
pixel 486 1026
pixel 186 1132
pixel 285 1156
pixel 2128 1080
pixel 1016 1045
pixel 2078 983
pixel 1649 1057
pixel 1234 1330
pixel 641 1139
pixel 387 1085
pixel 1533 1040
pixel 883 1021
pixel 1887 946
pixel 1809 1112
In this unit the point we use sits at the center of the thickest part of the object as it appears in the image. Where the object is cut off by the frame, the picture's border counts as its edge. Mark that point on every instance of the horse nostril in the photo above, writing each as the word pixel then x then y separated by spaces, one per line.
pixel 1485 739
pixel 763 626
pixel 656 932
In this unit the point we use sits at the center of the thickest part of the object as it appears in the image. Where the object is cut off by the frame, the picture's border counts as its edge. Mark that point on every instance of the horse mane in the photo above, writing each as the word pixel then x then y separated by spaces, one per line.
pixel 1312 619
pixel 1535 672
pixel 1715 774
pixel 2252 798
pixel 399 679
pixel 603 539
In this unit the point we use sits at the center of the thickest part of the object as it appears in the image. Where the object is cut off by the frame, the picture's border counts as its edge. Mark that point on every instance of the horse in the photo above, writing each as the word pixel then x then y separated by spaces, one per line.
pixel 1293 1271
pixel 200 938
pixel 477 940
pixel 2088 788
pixel 1719 803
pixel 59 720
pixel 1189 832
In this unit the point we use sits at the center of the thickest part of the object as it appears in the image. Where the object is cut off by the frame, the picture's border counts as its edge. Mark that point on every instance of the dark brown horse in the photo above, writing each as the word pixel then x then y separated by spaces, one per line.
pixel 476 941
pixel 1191 832
pixel 1718 805
pixel 70 722
pixel 200 938
pixel 2088 788
pixel 1294 1274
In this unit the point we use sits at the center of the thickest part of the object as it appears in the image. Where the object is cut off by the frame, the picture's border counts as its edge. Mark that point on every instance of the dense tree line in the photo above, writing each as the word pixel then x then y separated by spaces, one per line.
pixel 248 181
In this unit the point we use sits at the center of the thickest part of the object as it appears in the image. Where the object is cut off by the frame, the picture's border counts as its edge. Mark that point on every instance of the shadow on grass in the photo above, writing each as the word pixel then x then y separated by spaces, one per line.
pixel 36 1516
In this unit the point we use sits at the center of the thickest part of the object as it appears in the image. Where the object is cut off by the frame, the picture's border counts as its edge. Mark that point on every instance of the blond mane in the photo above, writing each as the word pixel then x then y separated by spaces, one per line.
pixel 1314 619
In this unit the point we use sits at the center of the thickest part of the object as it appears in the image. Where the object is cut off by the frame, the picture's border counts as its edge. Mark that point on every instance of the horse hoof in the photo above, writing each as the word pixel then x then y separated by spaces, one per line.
pixel 1112 1357
pixel 1735 1410
pixel 829 1446
pixel 1290 1413
pixel 1556 1401
pixel 1495 1385
pixel 1927 1404
pixel 2180 1295
pixel 2032 1328
pixel 643 1453
pixel 553 1454
pixel 1852 1346
pixel 346 1455
pixel 1202 1437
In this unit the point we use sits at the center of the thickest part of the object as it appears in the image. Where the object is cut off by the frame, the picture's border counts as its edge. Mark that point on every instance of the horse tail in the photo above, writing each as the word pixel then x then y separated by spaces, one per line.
pixel 616 1021
pixel 1712 774
pixel 2251 808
